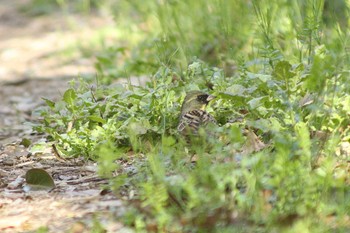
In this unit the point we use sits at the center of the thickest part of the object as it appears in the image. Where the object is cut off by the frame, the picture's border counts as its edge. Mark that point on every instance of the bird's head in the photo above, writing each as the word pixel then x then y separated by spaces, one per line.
pixel 195 100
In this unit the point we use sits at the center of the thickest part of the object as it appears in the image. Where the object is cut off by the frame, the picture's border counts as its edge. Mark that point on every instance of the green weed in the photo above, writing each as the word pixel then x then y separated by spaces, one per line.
pixel 279 162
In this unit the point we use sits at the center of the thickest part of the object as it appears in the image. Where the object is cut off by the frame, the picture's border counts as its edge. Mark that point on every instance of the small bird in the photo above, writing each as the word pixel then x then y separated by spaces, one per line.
pixel 193 114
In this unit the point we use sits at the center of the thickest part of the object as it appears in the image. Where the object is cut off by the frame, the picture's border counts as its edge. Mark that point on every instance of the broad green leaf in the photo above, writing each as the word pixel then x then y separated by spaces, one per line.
pixel 262 77
pixel 283 71
pixel 69 96
pixel 39 179
pixel 103 59
pixel 39 147
pixel 262 124
pixel 256 102
pixel 229 96
pixel 275 124
pixel 236 133
pixel 346 103
pixel 97 119
pixel 139 128
pixel 236 90
pixel 168 141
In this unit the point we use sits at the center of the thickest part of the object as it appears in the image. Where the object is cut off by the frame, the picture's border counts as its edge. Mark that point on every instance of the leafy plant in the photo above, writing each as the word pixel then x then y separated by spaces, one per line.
pixel 278 158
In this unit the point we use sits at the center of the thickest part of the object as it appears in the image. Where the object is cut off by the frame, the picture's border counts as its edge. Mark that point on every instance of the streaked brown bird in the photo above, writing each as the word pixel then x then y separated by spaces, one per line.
pixel 193 114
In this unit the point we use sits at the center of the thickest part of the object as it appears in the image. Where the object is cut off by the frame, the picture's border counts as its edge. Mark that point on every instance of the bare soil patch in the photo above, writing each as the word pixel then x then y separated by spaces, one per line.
pixel 29 70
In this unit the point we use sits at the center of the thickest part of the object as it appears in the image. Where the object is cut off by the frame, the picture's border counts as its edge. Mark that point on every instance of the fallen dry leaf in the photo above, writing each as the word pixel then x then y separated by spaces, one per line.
pixel 252 144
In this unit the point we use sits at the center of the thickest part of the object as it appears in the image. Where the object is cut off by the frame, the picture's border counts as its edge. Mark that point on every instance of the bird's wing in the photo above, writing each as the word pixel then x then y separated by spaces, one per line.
pixel 207 118
pixel 192 120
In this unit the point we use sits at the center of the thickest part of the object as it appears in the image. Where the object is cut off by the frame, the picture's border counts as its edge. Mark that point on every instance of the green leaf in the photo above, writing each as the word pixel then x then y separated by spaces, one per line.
pixel 26 142
pixel 256 102
pixel 105 60
pixel 168 141
pixel 304 138
pixel 283 71
pixel 229 96
pixel 346 103
pixel 139 128
pixel 69 96
pixel 39 147
pixel 49 103
pixel 236 90
pixel 261 77
pixel 320 71
pixel 97 119
pixel 39 179
pixel 236 133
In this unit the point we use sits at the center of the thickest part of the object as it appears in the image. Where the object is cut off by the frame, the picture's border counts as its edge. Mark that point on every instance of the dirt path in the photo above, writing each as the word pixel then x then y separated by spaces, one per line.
pixel 29 70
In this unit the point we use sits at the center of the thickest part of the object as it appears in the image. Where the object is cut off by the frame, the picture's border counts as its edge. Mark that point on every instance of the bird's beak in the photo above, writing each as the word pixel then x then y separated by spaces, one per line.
pixel 210 97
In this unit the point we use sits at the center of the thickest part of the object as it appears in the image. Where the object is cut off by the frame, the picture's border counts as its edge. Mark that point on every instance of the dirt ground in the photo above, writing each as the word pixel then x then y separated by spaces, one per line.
pixel 29 70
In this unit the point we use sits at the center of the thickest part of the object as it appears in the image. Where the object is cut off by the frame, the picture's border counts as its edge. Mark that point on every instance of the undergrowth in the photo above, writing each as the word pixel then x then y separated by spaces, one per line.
pixel 290 90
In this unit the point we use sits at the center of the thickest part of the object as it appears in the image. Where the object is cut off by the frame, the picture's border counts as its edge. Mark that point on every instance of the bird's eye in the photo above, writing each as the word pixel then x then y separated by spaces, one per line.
pixel 202 98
